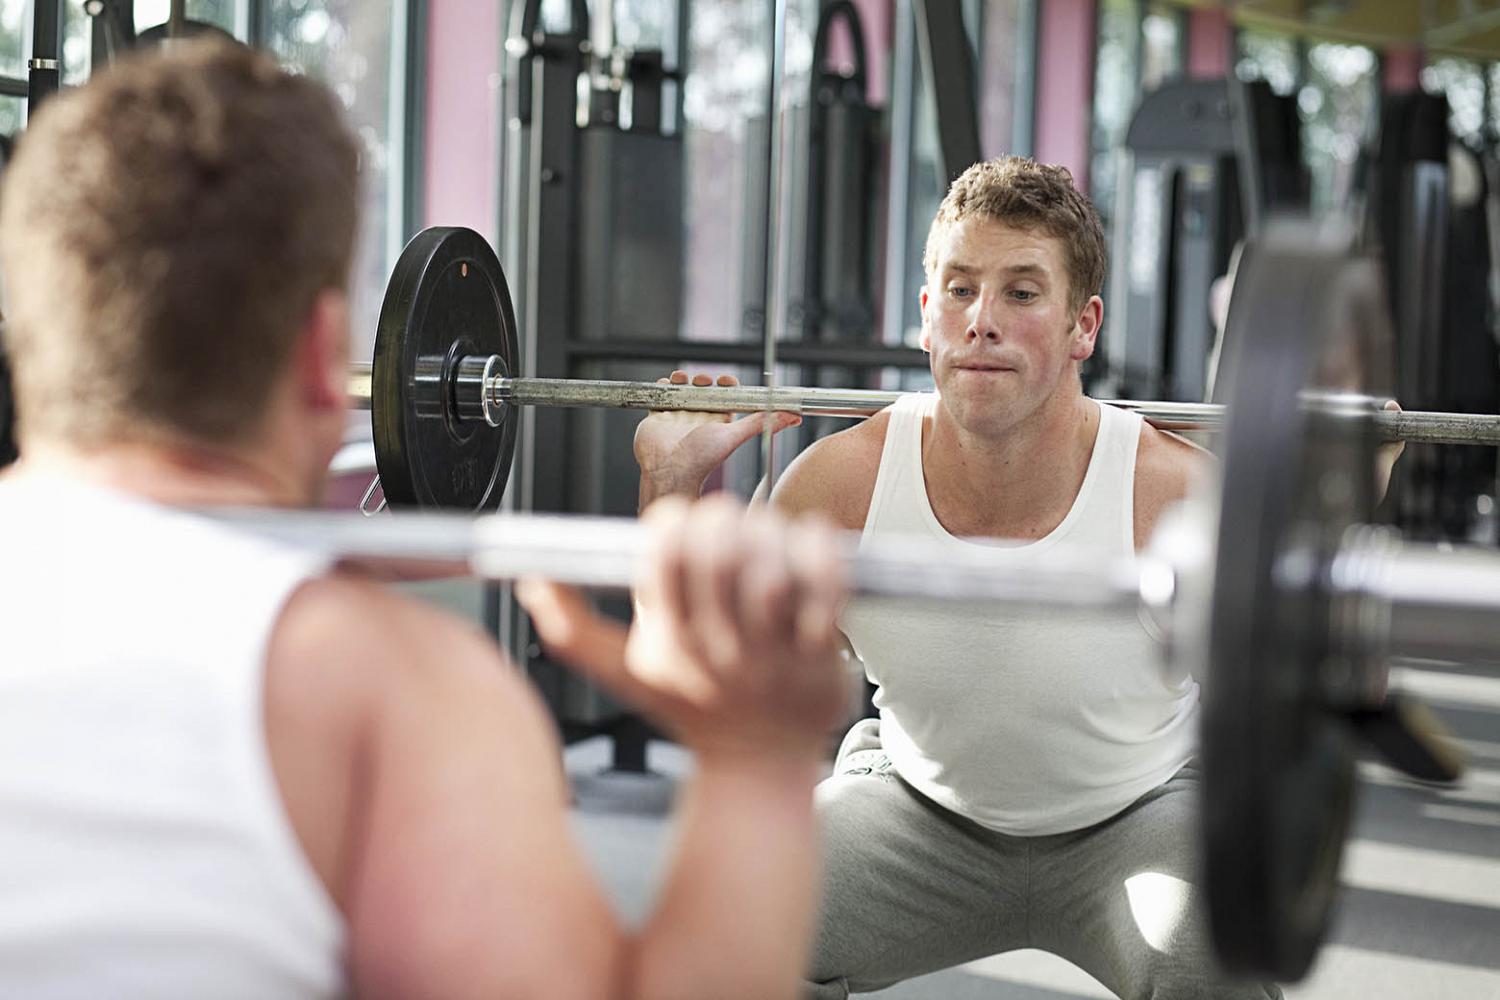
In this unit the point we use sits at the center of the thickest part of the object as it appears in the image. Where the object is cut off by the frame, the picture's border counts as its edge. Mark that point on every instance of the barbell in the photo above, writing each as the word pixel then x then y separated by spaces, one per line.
pixel 1277 591
pixel 444 385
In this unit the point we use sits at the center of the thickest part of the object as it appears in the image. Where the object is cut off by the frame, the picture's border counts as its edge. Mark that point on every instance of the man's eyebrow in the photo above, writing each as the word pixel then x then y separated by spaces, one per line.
pixel 958 267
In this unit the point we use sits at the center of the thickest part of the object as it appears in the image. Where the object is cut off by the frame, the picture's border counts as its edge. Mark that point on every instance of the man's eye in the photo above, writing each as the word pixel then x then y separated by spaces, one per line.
pixel 960 291
pixel 1023 294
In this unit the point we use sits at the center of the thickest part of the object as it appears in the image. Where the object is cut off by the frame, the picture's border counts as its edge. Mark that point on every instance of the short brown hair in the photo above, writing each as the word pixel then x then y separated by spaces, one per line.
pixel 1021 192
pixel 165 231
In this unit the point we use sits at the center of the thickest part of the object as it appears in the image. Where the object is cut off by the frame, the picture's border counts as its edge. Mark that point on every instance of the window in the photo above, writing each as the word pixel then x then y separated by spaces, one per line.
pixel 15 45
pixel 724 116
pixel 1337 105
pixel 1005 76
pixel 1138 47
pixel 1005 29
pixel 1162 45
pixel 1269 57
pixel 1116 64
pixel 15 37
pixel 1337 88
pixel 77 34
pixel 1463 82
pixel 360 49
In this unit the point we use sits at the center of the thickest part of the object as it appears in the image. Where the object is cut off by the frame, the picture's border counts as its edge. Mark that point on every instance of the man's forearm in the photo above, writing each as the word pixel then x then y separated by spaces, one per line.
pixel 736 915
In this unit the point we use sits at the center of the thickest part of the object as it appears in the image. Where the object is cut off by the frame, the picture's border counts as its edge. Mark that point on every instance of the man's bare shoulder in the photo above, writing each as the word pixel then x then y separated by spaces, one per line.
pixel 835 476
pixel 1167 469
pixel 353 666
pixel 345 617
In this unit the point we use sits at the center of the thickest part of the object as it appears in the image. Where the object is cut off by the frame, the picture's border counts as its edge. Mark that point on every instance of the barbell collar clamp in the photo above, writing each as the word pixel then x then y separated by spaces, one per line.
pixel 1416 600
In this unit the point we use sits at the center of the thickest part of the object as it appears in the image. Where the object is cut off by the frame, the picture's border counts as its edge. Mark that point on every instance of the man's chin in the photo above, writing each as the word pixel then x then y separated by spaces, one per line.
pixel 983 413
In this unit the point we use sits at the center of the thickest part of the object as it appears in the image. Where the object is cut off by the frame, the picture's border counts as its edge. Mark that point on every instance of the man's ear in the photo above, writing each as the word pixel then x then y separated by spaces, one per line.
pixel 1086 329
pixel 925 340
pixel 322 355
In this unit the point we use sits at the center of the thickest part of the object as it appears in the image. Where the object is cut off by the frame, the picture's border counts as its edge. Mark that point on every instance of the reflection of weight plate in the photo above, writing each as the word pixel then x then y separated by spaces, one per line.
pixel 1308 342
pixel 447 299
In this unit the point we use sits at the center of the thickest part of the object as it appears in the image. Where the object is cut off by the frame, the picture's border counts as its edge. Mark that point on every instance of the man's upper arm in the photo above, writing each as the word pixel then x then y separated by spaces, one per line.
pixel 465 878
pixel 1168 469
pixel 835 476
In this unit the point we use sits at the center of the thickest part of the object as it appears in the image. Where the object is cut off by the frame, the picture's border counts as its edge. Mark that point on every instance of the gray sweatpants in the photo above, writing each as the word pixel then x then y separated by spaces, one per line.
pixel 910 887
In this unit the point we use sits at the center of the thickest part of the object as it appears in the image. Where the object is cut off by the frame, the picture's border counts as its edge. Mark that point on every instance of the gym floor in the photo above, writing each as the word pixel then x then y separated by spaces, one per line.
pixel 1419 917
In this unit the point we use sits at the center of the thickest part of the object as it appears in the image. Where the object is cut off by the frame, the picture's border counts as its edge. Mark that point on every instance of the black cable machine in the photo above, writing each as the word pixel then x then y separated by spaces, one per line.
pixel 1209 159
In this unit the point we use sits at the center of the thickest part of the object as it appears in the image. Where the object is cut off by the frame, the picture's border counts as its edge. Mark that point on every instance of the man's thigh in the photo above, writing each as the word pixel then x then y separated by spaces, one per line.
pixel 907 889
pixel 1122 900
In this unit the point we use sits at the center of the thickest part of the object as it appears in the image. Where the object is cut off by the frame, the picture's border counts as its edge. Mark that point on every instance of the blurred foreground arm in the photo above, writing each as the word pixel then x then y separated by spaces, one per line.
pixel 738 659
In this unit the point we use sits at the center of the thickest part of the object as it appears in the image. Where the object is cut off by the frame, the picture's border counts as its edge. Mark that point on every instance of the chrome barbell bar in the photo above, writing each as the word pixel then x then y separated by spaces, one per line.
pixel 484 395
pixel 1394 598
pixel 604 552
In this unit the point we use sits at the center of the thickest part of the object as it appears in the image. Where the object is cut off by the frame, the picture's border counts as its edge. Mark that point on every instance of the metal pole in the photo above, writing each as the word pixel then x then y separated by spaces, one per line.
pixel 775 287
pixel 1416 426
pixel 44 73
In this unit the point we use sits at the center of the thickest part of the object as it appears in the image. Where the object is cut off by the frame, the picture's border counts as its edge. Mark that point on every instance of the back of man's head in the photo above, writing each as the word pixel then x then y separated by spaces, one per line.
pixel 164 233
pixel 1024 194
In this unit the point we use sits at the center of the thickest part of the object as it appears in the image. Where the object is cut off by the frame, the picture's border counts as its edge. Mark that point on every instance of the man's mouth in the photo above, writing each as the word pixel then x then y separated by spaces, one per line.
pixel 983 366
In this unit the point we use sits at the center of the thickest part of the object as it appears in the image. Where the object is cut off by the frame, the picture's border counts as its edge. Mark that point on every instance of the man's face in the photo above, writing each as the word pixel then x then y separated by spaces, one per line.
pixel 996 320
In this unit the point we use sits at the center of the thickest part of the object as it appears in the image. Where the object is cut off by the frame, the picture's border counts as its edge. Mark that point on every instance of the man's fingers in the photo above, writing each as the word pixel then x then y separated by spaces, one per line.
pixel 749 426
pixel 768 593
pixel 659 586
pixel 712 566
pixel 1394 448
pixel 822 584
pixel 781 420
pixel 571 629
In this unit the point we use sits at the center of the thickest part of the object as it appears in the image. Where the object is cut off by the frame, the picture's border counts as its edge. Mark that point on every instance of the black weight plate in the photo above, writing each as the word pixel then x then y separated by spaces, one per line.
pixel 1307 318
pixel 447 299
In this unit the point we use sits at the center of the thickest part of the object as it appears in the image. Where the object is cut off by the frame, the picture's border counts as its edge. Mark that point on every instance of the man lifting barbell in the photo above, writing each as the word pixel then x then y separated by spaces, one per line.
pixel 1030 781
pixel 226 771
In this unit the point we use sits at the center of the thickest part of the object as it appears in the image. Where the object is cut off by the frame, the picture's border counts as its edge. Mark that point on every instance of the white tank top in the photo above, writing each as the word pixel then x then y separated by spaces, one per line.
pixel 1027 722
pixel 144 849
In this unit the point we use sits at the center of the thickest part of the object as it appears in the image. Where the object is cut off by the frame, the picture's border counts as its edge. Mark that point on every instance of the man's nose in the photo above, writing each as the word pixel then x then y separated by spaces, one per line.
pixel 984 324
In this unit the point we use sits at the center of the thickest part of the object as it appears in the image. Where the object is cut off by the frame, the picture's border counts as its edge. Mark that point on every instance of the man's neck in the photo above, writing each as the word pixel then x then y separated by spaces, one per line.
pixel 1019 484
pixel 178 474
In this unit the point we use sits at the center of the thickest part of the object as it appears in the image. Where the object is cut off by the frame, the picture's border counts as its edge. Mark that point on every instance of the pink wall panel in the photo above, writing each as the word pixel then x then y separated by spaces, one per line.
pixel 1403 69
pixel 1210 36
pixel 463 67
pixel 876 19
pixel 1065 85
